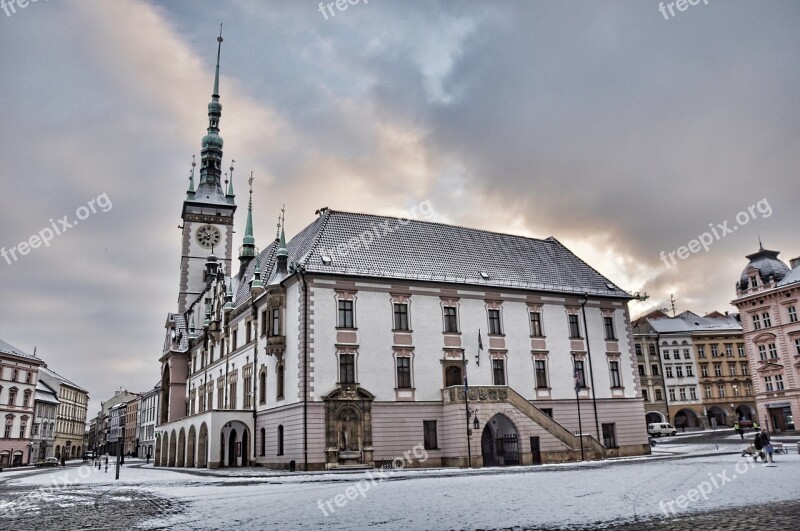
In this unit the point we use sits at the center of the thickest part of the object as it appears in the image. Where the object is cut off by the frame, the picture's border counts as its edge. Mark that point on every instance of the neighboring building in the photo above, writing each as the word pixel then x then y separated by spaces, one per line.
pixel 92 435
pixel 148 409
pixel 651 372
pixel 328 353
pixel 116 428
pixel 704 368
pixel 768 299
pixel 132 426
pixel 19 373
pixel 72 413
pixel 102 420
pixel 44 422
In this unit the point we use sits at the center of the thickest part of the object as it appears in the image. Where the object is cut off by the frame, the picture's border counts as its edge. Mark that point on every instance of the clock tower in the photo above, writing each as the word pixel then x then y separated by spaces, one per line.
pixel 208 210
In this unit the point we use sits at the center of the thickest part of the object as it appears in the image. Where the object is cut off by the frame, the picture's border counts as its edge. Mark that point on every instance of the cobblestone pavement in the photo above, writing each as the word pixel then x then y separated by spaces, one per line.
pixel 767 517
pixel 80 507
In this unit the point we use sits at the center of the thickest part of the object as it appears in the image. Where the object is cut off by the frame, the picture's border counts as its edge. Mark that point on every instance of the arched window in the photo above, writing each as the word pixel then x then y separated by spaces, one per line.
pixel 27 398
pixel 263 441
pixel 23 425
pixel 279 372
pixel 280 440
pixel 9 423
pixel 12 396
pixel 262 388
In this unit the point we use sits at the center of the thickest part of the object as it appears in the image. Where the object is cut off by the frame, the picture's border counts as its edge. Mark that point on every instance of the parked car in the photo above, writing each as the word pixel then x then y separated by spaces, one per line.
pixel 48 461
pixel 651 441
pixel 745 423
pixel 657 429
pixel 89 455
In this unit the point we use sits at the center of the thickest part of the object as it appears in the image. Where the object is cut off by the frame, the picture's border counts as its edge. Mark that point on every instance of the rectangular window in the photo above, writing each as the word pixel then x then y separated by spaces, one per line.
pixel 792 314
pixel 275 324
pixel 686 354
pixel 659 396
pixel 692 393
pixel 779 382
pixel 689 371
pixel 232 395
pixel 740 349
pixel 714 351
pixel 608 326
pixel 768 383
pixel 672 395
pixel 494 323
pixel 235 339
pixel 756 322
pixel 401 316
pixel 652 349
pixel 762 352
pixel 767 320
pixel 248 331
pixel 668 371
pixel 717 369
pixel 347 368
pixel 574 327
pixel 644 395
pixel 748 390
pixel 654 369
pixel 732 369
pixel 721 390
pixel 641 370
pixel 616 381
pixel 609 436
pixel 248 387
pixel 666 354
pixel 745 370
pixel 264 323
pixel 773 352
pixel 638 348
pixel 797 345
pixel 682 393
pixel 701 351
pixel 403 372
pixel 536 324
pixel 346 314
pixel 580 374
pixel 499 372
pixel 729 350
pixel 541 374
pixel 679 371
pixel 430 438
pixel 450 319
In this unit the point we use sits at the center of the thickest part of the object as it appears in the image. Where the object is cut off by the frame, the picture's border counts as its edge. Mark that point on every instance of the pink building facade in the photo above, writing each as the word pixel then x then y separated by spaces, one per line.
pixel 19 373
pixel 768 299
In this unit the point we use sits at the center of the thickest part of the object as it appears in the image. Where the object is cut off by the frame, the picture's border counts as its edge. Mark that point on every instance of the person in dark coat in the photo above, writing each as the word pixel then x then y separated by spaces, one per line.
pixel 758 446
pixel 63 460
pixel 766 444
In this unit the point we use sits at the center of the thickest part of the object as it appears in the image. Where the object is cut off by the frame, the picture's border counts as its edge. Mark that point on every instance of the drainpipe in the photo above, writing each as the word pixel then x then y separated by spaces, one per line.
pixel 305 367
pixel 255 377
pixel 663 376
pixel 591 366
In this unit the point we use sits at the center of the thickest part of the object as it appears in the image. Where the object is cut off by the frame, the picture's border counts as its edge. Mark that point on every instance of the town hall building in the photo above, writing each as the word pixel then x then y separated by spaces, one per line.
pixel 351 343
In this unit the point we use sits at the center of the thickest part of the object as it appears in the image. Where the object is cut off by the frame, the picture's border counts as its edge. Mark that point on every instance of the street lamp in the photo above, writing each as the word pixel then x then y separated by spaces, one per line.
pixel 475 422
pixel 30 451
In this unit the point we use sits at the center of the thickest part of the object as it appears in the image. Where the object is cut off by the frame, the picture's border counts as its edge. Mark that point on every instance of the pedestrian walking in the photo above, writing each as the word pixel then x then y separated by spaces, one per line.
pixel 758 446
pixel 765 442
pixel 738 429
pixel 148 458
pixel 64 460
pixel 106 460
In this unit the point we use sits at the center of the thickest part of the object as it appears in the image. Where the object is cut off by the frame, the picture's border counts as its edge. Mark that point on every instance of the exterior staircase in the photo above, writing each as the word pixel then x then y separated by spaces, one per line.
pixel 591 446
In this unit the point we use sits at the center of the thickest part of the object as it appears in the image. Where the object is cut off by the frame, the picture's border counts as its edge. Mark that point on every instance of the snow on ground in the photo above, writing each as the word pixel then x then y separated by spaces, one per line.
pixel 550 495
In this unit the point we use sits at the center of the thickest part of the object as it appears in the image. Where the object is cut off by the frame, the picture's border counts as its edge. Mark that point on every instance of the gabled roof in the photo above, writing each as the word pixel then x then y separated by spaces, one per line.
pixel 63 380
pixel 365 245
pixel 44 393
pixel 6 348
pixel 689 322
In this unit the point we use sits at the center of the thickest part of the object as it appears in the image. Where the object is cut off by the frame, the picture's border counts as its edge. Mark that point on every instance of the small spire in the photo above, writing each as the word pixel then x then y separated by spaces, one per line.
pixel 191 176
pixel 282 251
pixel 230 186
pixel 228 298
pixel 256 285
pixel 760 245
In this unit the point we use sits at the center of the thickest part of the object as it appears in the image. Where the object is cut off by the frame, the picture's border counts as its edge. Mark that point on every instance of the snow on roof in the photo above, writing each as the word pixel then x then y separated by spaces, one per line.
pixel 691 322
pixel 6 348
pixel 63 380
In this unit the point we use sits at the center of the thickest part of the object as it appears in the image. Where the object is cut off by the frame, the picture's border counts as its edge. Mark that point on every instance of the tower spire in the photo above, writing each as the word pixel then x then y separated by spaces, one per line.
pixel 230 193
pixel 210 187
pixel 190 191
pixel 248 249
pixel 282 254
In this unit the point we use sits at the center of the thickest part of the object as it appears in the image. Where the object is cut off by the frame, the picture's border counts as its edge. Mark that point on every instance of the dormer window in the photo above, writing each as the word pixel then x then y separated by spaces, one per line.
pixel 326 260
pixel 753 281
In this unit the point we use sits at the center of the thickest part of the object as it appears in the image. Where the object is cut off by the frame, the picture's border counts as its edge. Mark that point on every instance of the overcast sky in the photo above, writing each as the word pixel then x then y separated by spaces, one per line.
pixel 618 131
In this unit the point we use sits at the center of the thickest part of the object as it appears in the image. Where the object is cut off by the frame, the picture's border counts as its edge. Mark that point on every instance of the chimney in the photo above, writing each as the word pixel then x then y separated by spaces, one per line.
pixel 795 262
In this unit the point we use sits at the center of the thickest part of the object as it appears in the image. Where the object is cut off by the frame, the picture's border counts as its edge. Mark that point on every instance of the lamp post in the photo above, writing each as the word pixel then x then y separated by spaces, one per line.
pixel 30 451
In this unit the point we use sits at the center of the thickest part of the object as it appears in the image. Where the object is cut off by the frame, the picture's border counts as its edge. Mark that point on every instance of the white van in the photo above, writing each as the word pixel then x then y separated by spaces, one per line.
pixel 657 429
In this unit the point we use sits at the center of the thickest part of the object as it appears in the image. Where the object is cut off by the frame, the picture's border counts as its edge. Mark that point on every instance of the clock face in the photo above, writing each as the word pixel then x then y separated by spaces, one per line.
pixel 208 236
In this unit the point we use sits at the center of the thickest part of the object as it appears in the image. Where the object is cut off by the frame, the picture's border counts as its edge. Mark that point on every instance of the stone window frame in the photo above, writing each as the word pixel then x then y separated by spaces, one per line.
pixel 451 302
pixel 350 351
pixel 538 309
pixel 541 355
pixel 574 311
pixel 404 353
pixel 340 295
pixel 401 298
pixel 494 305
pixel 615 357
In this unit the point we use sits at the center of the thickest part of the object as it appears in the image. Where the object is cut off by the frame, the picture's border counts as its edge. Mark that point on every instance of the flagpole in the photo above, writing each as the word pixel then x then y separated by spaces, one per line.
pixel 466 405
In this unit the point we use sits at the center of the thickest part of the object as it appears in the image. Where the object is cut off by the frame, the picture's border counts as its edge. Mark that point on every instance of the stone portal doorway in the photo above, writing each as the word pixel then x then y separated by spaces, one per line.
pixel 348 423
pixel 500 442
